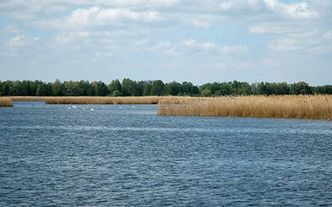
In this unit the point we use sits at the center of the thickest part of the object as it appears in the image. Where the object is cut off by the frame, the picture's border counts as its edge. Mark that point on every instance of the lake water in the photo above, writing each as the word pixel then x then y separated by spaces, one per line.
pixel 125 155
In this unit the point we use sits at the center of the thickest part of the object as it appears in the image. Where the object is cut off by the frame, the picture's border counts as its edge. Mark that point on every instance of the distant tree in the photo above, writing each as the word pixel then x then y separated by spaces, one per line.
pixel 327 89
pixel 127 87
pixel 300 88
pixel 174 88
pixel 84 88
pixel 157 88
pixel 115 88
pixel 44 89
pixel 145 88
pixel 206 92
pixel 6 85
pixel 147 85
pixel 100 88
pixel 57 88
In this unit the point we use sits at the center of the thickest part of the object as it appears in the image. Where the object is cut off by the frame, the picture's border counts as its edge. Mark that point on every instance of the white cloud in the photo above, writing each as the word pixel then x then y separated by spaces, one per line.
pixel 200 23
pixel 313 42
pixel 300 10
pixel 192 43
pixel 145 3
pixel 67 37
pixel 328 35
pixel 276 28
pixel 96 16
pixel 224 50
pixel 16 41
pixel 239 4
pixel 229 49
pixel 286 44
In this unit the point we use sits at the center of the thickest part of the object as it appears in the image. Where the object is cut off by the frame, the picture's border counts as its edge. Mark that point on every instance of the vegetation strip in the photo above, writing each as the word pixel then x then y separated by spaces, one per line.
pixel 155 88
pixel 100 99
pixel 5 102
pixel 300 107
pixel 113 100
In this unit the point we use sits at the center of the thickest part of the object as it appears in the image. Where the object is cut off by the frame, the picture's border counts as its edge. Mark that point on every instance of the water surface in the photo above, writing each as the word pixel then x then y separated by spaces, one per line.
pixel 126 155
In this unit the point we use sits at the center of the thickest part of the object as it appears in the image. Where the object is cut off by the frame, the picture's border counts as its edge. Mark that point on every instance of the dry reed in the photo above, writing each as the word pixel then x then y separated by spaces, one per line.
pixel 27 98
pixel 5 102
pixel 112 100
pixel 300 107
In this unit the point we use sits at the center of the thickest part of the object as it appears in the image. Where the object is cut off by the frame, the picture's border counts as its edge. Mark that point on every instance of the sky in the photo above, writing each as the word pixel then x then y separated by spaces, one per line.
pixel 181 40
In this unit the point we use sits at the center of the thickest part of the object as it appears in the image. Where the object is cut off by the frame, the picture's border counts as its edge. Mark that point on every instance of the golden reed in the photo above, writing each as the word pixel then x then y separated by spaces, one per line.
pixel 27 98
pixel 5 102
pixel 110 100
pixel 99 99
pixel 299 107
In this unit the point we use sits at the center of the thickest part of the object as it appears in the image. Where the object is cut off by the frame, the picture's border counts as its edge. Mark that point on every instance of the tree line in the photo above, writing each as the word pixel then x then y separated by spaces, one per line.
pixel 128 87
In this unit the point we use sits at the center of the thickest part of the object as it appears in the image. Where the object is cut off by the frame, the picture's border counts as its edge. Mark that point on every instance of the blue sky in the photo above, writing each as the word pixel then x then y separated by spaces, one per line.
pixel 182 40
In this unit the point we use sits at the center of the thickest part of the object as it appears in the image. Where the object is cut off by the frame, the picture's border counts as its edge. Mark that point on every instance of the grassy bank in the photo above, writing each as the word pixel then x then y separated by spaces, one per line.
pixel 301 107
pixel 5 102
pixel 99 99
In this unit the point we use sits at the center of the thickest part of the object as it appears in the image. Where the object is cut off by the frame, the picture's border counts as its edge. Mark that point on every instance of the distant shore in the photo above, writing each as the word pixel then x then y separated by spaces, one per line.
pixel 286 106
pixel 99 99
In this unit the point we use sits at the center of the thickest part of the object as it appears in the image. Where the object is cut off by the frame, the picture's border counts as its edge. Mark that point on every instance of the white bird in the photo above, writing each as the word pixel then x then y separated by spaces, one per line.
pixel 91 109
pixel 74 107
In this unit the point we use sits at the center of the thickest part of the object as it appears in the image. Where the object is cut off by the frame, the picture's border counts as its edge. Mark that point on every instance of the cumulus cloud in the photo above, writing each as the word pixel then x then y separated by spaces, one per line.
pixel 145 3
pixel 300 10
pixel 229 49
pixel 225 49
pixel 96 16
pixel 201 23
pixel 275 28
pixel 17 41
pixel 314 41
pixel 20 40
pixel 192 43
pixel 165 30
pixel 67 37
pixel 240 5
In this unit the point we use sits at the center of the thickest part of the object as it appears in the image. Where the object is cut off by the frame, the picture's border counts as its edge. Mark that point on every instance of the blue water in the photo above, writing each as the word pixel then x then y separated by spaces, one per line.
pixel 125 155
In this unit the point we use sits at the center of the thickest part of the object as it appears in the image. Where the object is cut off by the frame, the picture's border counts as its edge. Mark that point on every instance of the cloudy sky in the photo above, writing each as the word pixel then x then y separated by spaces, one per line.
pixel 182 40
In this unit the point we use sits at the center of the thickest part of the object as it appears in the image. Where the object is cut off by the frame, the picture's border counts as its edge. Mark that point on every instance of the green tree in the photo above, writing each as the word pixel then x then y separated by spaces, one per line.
pixel 115 88
pixel 157 88
pixel 300 88
pixel 57 88
pixel 100 88
pixel 127 87
pixel 206 92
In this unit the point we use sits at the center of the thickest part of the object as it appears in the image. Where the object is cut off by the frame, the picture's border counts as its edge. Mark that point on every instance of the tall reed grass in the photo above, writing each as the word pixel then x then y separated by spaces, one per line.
pixel 300 107
pixel 27 98
pixel 5 102
pixel 112 100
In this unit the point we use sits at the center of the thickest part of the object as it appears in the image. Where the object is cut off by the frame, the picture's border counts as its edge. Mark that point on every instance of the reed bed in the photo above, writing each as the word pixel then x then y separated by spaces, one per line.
pixel 5 102
pixel 27 98
pixel 299 107
pixel 113 100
